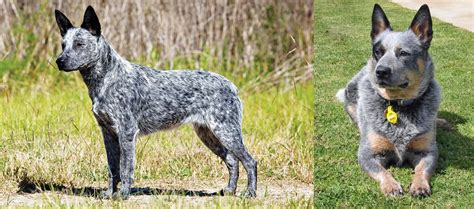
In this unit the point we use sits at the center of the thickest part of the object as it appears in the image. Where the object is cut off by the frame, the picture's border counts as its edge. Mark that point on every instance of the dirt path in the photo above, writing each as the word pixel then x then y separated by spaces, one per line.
pixel 171 193
pixel 459 13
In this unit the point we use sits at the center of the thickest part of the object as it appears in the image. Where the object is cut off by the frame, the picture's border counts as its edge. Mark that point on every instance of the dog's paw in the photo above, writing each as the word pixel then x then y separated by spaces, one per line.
pixel 249 194
pixel 420 189
pixel 391 188
pixel 124 194
pixel 106 195
pixel 227 192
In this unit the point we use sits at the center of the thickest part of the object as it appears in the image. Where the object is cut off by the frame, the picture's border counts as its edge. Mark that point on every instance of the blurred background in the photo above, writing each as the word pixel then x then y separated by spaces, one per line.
pixel 266 42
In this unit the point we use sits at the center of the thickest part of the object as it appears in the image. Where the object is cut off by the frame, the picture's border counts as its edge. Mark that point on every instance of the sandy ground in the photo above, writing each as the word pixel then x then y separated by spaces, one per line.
pixel 187 193
pixel 458 12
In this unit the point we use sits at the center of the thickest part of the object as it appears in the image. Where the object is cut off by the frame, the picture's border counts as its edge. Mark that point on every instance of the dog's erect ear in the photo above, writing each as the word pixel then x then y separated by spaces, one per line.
pixel 380 22
pixel 91 22
pixel 63 23
pixel 422 25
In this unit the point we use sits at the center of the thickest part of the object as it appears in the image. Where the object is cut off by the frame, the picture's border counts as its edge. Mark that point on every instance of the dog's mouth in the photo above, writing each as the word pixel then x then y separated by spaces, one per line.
pixel 70 69
pixel 386 85
pixel 67 70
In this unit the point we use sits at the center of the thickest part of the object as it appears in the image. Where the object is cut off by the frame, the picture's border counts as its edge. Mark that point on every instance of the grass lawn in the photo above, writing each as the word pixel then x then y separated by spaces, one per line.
pixel 342 47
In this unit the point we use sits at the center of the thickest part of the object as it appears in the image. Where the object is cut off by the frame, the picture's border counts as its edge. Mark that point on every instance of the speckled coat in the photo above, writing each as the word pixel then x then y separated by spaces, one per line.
pixel 129 100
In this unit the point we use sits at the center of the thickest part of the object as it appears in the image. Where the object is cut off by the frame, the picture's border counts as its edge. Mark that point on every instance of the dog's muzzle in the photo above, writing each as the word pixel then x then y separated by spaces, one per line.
pixel 384 78
pixel 61 62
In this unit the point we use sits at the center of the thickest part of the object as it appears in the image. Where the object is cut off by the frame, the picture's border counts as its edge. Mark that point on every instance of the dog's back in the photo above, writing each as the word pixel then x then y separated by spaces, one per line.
pixel 166 99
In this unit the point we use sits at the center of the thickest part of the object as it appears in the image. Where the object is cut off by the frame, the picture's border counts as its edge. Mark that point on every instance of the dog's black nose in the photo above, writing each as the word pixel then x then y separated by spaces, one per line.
pixel 383 72
pixel 60 62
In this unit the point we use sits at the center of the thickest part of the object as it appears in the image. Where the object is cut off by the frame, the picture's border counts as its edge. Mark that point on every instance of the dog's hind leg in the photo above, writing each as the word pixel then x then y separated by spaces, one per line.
pixel 113 159
pixel 231 162
pixel 230 135
pixel 350 95
pixel 350 105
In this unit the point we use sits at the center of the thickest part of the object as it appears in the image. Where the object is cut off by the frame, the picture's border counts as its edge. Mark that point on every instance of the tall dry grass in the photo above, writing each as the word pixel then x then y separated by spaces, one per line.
pixel 267 42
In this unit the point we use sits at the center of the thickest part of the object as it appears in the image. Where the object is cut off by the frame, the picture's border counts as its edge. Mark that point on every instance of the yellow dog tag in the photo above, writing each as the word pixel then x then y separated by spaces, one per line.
pixel 391 115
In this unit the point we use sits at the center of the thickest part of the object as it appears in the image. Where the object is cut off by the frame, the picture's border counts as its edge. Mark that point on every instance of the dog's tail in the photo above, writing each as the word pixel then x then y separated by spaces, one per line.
pixel 341 95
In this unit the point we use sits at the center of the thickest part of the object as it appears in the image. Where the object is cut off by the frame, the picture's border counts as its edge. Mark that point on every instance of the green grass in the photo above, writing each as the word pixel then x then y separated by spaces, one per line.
pixel 342 46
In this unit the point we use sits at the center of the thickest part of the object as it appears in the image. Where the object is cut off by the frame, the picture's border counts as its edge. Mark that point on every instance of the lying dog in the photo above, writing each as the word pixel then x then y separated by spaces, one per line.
pixel 394 100
pixel 130 100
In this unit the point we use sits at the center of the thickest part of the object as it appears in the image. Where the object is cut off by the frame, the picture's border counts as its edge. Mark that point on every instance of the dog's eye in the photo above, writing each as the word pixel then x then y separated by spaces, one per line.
pixel 404 53
pixel 79 44
pixel 379 52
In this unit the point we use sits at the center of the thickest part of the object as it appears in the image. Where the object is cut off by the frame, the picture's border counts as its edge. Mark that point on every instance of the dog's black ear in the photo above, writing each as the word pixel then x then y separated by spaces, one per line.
pixel 380 22
pixel 91 22
pixel 422 25
pixel 63 23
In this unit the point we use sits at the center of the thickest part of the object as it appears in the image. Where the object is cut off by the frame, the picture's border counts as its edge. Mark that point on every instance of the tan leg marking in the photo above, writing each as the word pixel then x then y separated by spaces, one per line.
pixel 388 184
pixel 352 110
pixel 379 143
pixel 420 185
pixel 421 143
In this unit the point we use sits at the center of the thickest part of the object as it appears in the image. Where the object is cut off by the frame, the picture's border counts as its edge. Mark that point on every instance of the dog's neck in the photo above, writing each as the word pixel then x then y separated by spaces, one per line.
pixel 404 103
pixel 107 61
pixel 401 102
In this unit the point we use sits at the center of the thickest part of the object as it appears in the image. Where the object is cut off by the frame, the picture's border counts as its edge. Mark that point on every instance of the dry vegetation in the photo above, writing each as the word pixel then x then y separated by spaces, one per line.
pixel 48 135
pixel 266 41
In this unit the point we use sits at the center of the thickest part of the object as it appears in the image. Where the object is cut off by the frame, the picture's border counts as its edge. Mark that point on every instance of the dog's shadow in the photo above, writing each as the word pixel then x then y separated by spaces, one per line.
pixel 455 149
pixel 26 186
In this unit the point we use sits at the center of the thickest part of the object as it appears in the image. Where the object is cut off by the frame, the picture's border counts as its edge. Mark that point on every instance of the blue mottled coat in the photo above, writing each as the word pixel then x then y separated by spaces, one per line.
pixel 399 75
pixel 129 100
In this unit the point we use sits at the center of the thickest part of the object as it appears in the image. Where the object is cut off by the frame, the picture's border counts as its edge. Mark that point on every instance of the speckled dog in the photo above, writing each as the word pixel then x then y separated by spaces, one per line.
pixel 129 100
pixel 394 100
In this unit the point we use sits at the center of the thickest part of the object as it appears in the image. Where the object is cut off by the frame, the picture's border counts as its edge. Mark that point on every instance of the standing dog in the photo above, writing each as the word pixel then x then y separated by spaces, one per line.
pixel 394 100
pixel 130 100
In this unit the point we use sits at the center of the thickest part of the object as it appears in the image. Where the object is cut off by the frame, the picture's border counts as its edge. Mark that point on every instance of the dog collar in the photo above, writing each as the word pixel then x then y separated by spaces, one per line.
pixel 391 114
pixel 402 102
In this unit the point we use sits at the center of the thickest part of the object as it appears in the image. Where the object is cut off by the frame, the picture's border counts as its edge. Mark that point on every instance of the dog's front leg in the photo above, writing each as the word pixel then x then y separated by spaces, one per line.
pixel 374 153
pixel 425 164
pixel 388 184
pixel 127 140
pixel 113 159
